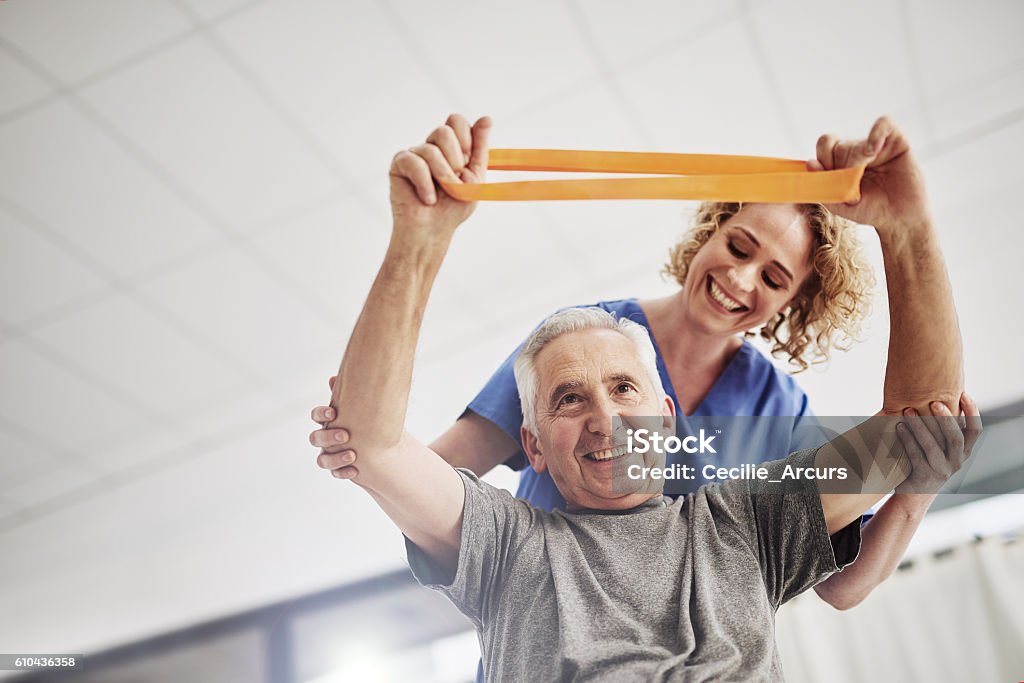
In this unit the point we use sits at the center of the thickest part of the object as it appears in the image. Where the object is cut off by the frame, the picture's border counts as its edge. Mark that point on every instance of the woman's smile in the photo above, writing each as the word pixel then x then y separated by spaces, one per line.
pixel 718 294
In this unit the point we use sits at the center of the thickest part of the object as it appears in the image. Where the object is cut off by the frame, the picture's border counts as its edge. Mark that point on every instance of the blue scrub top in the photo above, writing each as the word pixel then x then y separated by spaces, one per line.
pixel 750 385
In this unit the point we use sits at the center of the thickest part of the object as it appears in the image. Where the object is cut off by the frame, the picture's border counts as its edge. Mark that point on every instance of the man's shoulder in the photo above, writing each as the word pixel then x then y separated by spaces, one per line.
pixel 486 496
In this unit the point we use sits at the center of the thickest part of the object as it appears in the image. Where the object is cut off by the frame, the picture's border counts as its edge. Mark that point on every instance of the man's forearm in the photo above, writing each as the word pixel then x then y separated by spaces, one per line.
pixel 421 493
pixel 885 540
pixel 924 365
pixel 372 391
pixel 925 359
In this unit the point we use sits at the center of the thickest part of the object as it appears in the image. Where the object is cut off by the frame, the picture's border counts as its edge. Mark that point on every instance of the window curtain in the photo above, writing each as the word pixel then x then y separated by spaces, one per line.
pixel 955 615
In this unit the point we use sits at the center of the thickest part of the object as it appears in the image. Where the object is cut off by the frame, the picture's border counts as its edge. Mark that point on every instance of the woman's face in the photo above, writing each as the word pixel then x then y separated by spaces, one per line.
pixel 750 269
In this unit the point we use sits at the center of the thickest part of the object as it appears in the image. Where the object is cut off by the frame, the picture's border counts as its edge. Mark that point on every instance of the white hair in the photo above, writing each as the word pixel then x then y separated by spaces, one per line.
pixel 577 320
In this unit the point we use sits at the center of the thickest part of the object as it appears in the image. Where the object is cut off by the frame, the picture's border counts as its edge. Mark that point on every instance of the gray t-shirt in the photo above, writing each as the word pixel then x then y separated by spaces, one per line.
pixel 671 590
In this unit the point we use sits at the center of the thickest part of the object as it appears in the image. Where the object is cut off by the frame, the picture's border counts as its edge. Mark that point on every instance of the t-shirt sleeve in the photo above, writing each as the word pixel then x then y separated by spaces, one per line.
pixel 782 518
pixel 498 402
pixel 494 525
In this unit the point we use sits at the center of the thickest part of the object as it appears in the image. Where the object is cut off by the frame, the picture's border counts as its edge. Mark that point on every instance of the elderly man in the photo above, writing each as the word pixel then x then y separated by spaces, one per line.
pixel 583 593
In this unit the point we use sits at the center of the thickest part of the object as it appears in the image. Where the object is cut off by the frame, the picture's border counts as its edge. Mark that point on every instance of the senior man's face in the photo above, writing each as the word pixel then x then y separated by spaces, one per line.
pixel 585 379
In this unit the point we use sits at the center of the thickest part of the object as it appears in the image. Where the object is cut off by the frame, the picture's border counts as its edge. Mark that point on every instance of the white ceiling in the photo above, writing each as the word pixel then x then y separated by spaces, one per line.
pixel 193 204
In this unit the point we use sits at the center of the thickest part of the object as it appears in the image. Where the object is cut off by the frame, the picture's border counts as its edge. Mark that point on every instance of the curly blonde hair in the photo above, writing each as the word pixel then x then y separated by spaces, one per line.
pixel 830 305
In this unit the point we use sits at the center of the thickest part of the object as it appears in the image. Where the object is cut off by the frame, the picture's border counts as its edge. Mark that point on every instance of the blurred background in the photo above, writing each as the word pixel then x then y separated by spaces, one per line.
pixel 193 203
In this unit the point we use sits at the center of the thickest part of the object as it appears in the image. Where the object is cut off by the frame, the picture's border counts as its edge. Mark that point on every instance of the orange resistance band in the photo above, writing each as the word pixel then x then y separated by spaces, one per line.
pixel 693 176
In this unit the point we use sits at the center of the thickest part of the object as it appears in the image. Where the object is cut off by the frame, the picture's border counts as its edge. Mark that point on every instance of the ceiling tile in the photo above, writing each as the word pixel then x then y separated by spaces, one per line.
pixel 501 244
pixel 120 340
pixel 958 43
pixel 351 83
pixel 722 106
pixel 455 314
pixel 504 253
pixel 844 88
pixel 54 403
pixel 971 60
pixel 501 56
pixel 267 327
pixel 68 174
pixel 985 100
pixel 146 444
pixel 187 110
pixel 20 85
pixel 567 121
pixel 74 40
pixel 972 173
pixel 317 250
pixel 36 276
pixel 612 237
pixel 222 416
pixel 638 30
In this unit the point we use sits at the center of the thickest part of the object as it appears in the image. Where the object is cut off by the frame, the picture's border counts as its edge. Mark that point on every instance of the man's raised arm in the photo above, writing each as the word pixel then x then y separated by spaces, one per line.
pixel 925 359
pixel 421 493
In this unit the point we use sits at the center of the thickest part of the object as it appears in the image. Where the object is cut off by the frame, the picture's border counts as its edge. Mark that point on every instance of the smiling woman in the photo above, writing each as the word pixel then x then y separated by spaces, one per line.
pixel 815 284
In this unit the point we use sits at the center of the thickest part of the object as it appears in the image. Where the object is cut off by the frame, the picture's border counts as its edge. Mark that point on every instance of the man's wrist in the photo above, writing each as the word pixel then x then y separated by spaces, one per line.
pixel 412 247
pixel 900 234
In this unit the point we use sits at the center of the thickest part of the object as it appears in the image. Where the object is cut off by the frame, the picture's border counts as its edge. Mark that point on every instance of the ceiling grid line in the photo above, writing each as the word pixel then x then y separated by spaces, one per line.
pixel 51 449
pixel 57 93
pixel 976 132
pixel 682 40
pixel 965 87
pixel 113 287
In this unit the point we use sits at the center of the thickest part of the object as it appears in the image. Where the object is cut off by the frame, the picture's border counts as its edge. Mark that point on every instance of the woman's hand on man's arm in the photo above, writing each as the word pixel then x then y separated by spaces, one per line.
pixel 473 442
